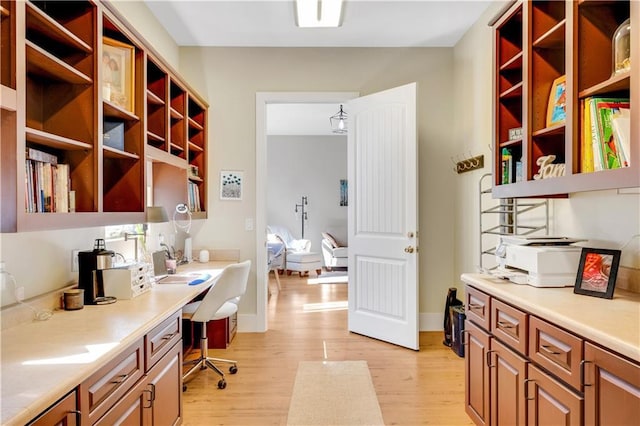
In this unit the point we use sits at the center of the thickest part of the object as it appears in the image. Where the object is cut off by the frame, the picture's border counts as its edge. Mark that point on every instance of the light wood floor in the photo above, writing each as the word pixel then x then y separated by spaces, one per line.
pixel 413 387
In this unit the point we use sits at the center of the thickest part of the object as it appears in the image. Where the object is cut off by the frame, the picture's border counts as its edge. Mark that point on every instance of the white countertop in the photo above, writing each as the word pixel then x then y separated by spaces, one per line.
pixel 43 360
pixel 613 323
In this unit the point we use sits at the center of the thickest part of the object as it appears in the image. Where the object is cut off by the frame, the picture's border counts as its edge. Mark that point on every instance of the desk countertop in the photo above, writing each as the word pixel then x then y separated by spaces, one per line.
pixel 43 360
pixel 613 323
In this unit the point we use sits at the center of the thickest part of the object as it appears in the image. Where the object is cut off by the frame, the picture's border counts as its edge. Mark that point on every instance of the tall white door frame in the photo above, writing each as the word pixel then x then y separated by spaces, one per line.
pixel 262 99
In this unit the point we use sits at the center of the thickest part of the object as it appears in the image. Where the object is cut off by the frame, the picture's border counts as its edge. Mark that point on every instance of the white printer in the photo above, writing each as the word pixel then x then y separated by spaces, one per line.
pixel 538 261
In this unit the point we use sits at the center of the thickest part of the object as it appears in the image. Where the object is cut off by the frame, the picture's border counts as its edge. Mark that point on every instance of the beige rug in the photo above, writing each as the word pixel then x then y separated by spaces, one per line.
pixel 334 393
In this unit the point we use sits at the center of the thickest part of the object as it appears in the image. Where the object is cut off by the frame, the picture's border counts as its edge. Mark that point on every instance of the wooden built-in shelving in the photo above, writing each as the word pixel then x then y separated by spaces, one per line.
pixel 574 40
pixel 59 102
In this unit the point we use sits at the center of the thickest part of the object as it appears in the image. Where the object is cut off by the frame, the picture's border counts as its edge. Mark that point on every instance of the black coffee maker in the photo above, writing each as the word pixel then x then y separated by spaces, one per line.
pixel 91 264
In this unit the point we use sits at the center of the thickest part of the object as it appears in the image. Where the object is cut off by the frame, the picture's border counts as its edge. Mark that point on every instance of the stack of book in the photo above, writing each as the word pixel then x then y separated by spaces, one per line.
pixel 193 197
pixel 47 183
pixel 605 141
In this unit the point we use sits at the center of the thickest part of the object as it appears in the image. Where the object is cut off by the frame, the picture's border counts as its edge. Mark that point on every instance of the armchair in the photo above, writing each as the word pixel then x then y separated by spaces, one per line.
pixel 298 255
pixel 335 254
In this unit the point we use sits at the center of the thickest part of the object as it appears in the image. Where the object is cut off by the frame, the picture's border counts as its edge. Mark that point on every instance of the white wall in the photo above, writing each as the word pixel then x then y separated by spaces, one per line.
pixel 311 166
pixel 605 218
pixel 230 79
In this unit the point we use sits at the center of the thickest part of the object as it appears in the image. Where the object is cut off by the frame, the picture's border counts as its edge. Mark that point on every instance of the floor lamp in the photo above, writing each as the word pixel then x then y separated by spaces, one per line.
pixel 303 214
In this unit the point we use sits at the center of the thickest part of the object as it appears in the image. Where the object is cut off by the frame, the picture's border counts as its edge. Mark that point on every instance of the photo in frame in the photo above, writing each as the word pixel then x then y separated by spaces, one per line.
pixel 557 105
pixel 344 200
pixel 597 272
pixel 231 185
pixel 118 73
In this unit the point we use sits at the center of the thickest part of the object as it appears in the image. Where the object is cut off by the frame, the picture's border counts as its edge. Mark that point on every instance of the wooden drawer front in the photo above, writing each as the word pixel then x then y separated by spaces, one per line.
pixel 478 306
pixel 105 387
pixel 159 340
pixel 509 325
pixel 556 350
pixel 63 412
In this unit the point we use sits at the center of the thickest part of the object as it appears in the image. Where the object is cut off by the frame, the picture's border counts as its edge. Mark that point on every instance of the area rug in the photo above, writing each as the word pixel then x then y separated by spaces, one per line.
pixel 334 393
pixel 333 277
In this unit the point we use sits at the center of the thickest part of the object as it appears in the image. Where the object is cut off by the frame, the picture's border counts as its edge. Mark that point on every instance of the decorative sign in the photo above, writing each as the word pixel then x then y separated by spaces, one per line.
pixel 548 169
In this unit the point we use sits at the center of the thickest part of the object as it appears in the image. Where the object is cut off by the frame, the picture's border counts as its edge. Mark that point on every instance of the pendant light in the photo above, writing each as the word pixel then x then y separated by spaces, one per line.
pixel 339 122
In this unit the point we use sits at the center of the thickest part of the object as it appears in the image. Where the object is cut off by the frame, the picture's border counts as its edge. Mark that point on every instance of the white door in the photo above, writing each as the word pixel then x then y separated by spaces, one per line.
pixel 383 216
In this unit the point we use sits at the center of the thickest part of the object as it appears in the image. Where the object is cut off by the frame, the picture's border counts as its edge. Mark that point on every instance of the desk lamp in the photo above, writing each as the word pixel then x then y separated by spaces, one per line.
pixel 183 209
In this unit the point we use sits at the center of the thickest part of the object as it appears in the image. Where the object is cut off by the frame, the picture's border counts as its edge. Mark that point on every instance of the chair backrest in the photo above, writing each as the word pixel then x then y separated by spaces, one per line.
pixel 230 285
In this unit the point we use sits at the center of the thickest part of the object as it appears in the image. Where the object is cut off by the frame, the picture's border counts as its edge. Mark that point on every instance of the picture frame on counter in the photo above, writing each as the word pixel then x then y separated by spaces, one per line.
pixel 597 272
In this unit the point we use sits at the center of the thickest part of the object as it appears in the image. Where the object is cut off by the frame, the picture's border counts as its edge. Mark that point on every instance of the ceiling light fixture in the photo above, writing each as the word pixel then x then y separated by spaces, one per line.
pixel 318 13
pixel 339 122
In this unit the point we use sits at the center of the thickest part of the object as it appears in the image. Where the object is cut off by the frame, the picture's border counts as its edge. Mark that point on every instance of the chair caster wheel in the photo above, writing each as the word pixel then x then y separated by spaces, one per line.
pixel 184 388
pixel 222 384
pixel 203 367
pixel 233 369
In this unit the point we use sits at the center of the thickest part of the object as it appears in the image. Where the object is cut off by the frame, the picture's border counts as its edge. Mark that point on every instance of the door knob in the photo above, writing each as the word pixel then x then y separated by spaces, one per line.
pixel 408 249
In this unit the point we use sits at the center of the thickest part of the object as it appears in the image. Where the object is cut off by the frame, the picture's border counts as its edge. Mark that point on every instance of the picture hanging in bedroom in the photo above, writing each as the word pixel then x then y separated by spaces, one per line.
pixel 231 185
pixel 343 193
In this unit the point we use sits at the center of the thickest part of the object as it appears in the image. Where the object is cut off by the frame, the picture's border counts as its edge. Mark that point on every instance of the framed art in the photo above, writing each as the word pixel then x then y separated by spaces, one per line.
pixel 231 185
pixel 344 200
pixel 597 272
pixel 118 73
pixel 557 106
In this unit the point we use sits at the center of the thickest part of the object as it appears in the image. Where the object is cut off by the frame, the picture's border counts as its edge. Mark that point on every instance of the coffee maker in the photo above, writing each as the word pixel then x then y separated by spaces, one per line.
pixel 91 265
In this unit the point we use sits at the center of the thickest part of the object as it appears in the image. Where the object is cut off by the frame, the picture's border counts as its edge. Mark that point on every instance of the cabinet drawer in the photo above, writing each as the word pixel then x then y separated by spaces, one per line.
pixel 509 325
pixel 63 412
pixel 556 350
pixel 478 307
pixel 159 340
pixel 106 386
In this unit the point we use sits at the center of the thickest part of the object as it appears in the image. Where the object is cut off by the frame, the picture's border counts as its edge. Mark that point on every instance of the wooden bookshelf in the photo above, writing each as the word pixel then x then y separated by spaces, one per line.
pixel 560 38
pixel 56 103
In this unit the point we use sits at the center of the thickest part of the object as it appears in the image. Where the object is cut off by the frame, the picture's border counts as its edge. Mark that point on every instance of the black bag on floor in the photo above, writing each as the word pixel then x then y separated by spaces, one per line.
pixel 448 323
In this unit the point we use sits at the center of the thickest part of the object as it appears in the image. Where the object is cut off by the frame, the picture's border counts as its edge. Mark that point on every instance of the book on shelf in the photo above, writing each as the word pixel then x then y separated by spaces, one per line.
pixel 605 134
pixel 193 197
pixel 508 167
pixel 37 155
pixel 46 187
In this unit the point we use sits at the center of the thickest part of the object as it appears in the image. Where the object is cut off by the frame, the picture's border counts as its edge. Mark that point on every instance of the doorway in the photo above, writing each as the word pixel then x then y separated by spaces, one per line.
pixel 263 99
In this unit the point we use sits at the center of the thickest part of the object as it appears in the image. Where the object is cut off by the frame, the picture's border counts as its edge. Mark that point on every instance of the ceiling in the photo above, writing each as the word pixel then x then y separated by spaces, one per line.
pixel 365 23
pixel 269 23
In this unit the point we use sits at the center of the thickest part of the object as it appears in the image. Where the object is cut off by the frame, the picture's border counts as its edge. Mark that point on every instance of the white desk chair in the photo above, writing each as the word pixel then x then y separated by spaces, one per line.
pixel 221 301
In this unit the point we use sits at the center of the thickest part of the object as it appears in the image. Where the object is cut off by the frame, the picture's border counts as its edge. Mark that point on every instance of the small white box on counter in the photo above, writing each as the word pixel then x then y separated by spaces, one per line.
pixel 127 282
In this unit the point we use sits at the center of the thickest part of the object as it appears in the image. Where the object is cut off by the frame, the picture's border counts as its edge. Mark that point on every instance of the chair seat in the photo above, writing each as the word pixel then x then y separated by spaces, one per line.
pixel 303 257
pixel 226 310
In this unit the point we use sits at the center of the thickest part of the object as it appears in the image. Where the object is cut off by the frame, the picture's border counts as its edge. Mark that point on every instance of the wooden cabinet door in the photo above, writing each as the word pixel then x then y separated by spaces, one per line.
pixel 62 413
pixel 476 394
pixel 165 381
pixel 507 374
pixel 612 389
pixel 550 403
pixel 131 410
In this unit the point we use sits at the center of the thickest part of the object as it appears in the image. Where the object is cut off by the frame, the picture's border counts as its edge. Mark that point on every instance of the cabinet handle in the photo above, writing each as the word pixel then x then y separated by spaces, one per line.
pixel 120 379
pixel 545 348
pixel 168 336
pixel 464 341
pixel 582 363
pixel 150 398
pixel 505 324
pixel 489 358
pixel 78 414
pixel 526 389
pixel 473 306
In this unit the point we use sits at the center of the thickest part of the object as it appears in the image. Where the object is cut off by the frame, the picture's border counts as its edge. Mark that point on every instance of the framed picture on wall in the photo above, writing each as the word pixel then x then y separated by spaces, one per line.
pixel 597 272
pixel 344 200
pixel 231 185
pixel 118 73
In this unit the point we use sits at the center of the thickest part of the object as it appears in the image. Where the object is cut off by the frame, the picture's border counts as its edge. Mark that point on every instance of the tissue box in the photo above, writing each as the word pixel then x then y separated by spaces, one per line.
pixel 113 134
